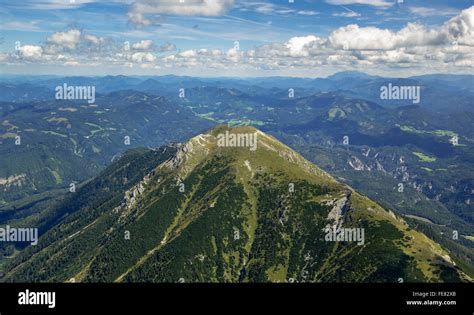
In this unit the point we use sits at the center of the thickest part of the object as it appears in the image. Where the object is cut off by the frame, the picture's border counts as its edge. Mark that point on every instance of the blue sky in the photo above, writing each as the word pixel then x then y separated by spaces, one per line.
pixel 237 38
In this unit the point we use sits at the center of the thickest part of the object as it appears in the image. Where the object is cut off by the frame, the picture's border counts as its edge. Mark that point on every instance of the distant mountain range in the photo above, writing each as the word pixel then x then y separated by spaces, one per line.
pixel 439 91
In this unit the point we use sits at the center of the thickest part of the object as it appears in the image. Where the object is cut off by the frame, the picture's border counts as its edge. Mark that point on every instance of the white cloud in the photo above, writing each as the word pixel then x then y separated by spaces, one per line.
pixel 234 54
pixel 447 46
pixel 68 39
pixel 375 3
pixel 307 13
pixel 354 37
pixel 188 54
pixel 58 4
pixel 461 27
pixel 427 11
pixel 142 57
pixel 72 63
pixel 31 52
pixel 348 14
pixel 176 7
pixel 297 45
pixel 93 39
pixel 143 44
pixel 264 8
pixel 138 18
pixel 20 26
pixel 167 47
pixel 268 8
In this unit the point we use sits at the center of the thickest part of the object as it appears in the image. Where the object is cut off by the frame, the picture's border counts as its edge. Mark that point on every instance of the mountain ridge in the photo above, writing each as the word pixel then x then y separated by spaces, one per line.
pixel 210 213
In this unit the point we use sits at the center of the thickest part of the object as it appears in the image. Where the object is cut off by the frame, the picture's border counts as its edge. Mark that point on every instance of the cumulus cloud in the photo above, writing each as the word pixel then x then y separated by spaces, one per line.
pixel 234 54
pixel 459 29
pixel 188 53
pixel 68 39
pixel 142 57
pixel 30 52
pixel 359 38
pixel 143 45
pixel 448 46
pixel 93 39
pixel 297 45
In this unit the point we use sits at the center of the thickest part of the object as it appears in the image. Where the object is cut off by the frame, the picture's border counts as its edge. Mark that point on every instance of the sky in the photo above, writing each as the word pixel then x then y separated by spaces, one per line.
pixel 309 38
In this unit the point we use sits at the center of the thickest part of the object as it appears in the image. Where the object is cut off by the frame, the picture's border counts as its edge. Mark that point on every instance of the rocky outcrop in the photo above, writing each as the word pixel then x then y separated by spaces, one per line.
pixel 132 195
pixel 193 151
pixel 179 157
pixel 357 164
pixel 14 180
pixel 339 209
